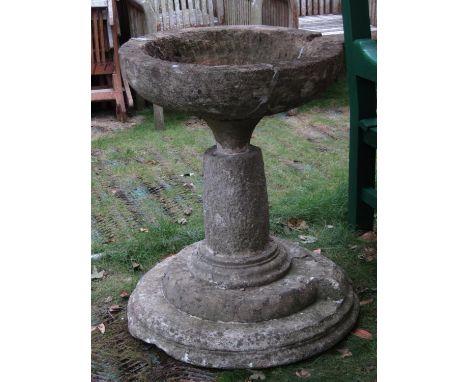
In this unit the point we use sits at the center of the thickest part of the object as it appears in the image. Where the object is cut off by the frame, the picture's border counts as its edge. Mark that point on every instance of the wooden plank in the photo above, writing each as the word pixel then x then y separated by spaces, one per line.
pixel 303 8
pixel 128 93
pixel 98 3
pixel 327 6
pixel 158 113
pixel 220 11
pixel 334 9
pixel 95 28
pixel 185 16
pixel 309 7
pixel 321 7
pixel 198 17
pixel 102 94
pixel 110 12
pixel 204 12
pixel 172 7
pixel 157 7
pixel 165 22
pixel 93 62
pixel 191 13
pixel 170 14
pixel 315 6
pixel 211 12
pixel 101 37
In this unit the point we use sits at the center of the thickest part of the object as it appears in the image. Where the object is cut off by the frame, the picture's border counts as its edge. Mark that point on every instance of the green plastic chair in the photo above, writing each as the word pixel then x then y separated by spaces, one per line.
pixel 361 67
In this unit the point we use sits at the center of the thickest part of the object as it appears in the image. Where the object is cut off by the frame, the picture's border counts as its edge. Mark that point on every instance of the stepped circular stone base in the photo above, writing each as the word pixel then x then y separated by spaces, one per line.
pixel 329 317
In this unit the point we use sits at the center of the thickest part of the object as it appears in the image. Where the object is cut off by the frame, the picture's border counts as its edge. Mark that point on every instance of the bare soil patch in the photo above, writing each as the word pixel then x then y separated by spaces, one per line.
pixel 103 124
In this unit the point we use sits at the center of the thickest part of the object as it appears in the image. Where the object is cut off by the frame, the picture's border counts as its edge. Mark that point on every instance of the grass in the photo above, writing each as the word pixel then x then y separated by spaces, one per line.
pixel 307 179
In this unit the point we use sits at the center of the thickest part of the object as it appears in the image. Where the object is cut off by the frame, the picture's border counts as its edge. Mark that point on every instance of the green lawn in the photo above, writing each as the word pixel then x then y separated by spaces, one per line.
pixel 138 186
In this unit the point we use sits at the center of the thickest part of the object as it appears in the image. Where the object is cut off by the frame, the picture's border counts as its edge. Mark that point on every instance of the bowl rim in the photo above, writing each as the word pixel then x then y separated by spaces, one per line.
pixel 134 50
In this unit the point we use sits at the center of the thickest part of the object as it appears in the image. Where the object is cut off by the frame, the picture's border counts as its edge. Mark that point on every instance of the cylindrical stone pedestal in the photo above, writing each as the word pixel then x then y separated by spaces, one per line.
pixel 237 250
pixel 241 298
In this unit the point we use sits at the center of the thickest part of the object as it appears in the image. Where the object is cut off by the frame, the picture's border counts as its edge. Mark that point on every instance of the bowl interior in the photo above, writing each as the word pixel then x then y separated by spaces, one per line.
pixel 232 47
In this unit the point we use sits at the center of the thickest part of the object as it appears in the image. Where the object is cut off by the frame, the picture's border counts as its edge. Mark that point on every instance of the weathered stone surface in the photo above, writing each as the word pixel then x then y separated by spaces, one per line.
pixel 231 72
pixel 256 343
pixel 239 298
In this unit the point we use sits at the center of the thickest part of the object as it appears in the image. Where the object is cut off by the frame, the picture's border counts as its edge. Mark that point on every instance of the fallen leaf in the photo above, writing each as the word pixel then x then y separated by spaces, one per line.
pixel 182 221
pixel 303 373
pixel 115 308
pixel 95 275
pixel 189 186
pixel 344 352
pixel 307 239
pixel 317 251
pixel 370 254
pixel 135 265
pixel 298 224
pixel 368 236
pixel 366 302
pixel 142 229
pixel 329 226
pixel 93 328
pixel 188 174
pixel 293 112
pixel 257 376
pixel 124 294
pixel 108 299
pixel 361 333
pixel 188 211
pixel 101 328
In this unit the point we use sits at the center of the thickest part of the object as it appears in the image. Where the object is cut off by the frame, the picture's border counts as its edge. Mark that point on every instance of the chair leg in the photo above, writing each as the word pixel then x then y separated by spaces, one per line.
pixel 362 157
pixel 361 175
pixel 158 112
pixel 119 98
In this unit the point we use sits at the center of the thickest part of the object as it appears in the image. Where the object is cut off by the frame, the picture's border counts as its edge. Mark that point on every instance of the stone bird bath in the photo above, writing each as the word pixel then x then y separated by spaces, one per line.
pixel 240 298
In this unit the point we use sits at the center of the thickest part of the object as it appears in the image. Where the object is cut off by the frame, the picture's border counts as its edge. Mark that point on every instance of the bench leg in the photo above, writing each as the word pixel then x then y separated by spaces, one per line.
pixel 158 117
pixel 362 157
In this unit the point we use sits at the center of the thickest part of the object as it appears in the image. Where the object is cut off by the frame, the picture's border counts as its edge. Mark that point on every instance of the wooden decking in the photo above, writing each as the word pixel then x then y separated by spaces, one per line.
pixel 325 24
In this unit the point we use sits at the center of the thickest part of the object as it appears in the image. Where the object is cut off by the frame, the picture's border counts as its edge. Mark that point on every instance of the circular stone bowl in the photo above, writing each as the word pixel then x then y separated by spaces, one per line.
pixel 232 72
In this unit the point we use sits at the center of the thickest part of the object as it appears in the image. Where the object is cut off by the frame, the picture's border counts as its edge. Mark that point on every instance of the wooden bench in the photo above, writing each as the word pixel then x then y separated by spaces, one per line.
pixel 261 12
pixel 104 56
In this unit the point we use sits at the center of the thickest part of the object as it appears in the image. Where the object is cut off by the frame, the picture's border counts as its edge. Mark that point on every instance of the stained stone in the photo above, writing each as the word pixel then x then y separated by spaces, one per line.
pixel 240 298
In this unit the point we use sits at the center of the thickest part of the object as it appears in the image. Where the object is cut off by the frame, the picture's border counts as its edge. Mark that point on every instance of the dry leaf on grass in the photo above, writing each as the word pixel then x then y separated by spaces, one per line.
pixel 344 352
pixel 317 251
pixel 303 373
pixel 115 308
pixel 142 229
pixel 189 186
pixel 108 299
pixel 95 275
pixel 124 294
pixel 182 221
pixel 361 333
pixel 368 236
pixel 136 265
pixel 366 302
pixel 369 254
pixel 307 239
pixel 257 376
pixel 188 211
pixel 100 327
pixel 297 224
